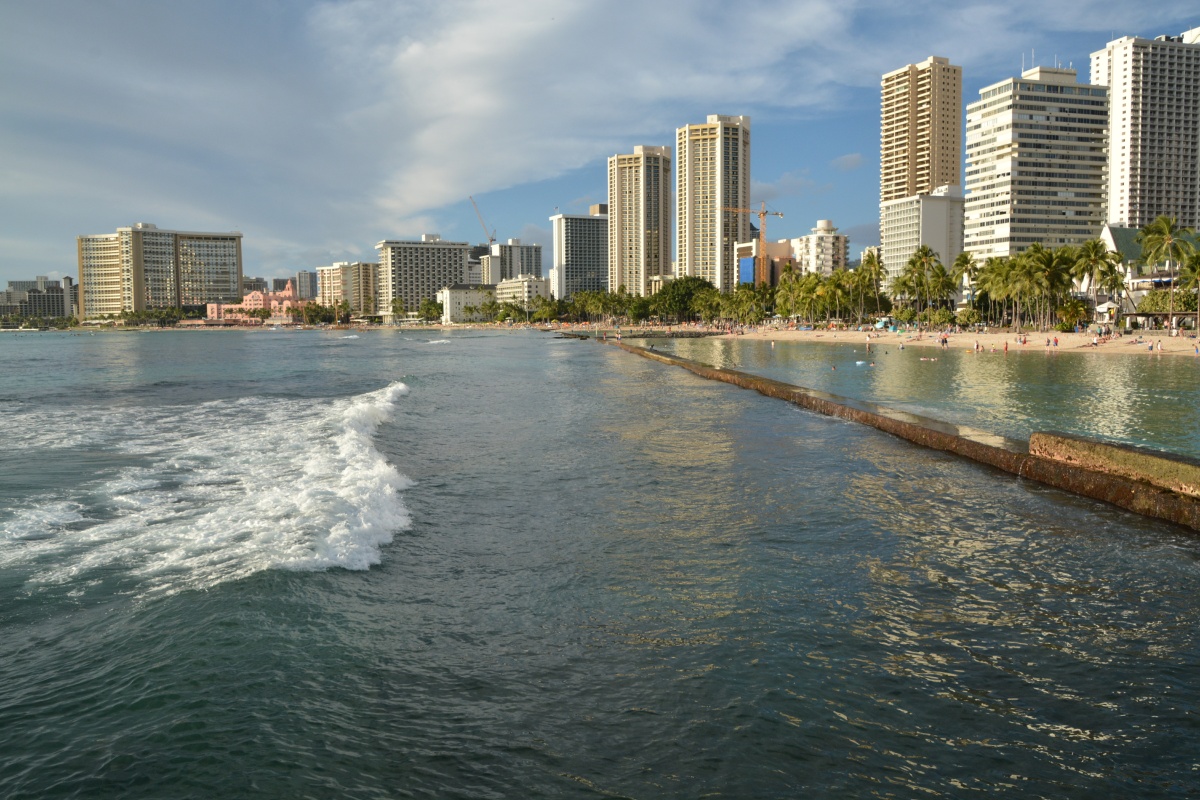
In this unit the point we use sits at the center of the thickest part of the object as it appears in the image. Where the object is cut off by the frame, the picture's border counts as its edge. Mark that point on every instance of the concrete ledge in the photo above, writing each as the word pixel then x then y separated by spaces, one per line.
pixel 1128 491
pixel 1174 473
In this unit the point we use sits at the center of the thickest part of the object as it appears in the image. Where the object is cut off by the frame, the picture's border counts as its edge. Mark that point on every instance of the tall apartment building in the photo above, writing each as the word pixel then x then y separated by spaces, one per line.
pixel 414 270
pixel 1154 128
pixel 306 285
pixel 822 251
pixel 1036 163
pixel 508 260
pixel 920 132
pixel 356 282
pixel 920 149
pixel 934 220
pixel 143 267
pixel 580 260
pixel 639 219
pixel 712 169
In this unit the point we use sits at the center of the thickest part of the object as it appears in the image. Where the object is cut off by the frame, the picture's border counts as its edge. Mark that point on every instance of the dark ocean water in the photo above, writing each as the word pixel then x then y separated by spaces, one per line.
pixel 401 565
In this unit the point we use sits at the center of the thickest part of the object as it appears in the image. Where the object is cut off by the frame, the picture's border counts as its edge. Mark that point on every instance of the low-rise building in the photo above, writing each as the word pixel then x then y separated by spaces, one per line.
pixel 463 302
pixel 522 289
pixel 282 306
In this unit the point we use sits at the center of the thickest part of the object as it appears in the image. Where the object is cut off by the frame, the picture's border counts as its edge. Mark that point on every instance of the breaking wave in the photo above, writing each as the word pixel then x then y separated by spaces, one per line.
pixel 216 492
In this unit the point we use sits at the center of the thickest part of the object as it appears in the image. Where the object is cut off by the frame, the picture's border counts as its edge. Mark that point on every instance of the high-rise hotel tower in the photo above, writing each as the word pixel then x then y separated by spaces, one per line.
pixel 1154 128
pixel 144 266
pixel 920 162
pixel 712 168
pixel 920 132
pixel 1036 163
pixel 639 218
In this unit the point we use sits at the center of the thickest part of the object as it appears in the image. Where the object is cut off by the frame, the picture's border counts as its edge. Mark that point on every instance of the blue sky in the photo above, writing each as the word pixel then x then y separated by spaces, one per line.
pixel 320 128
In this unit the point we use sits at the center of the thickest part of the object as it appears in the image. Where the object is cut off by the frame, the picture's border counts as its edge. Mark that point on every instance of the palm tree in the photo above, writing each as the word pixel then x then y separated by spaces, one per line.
pixel 920 265
pixel 1189 272
pixel 1163 240
pixel 1111 278
pixel 965 268
pixel 872 270
pixel 397 308
pixel 1090 260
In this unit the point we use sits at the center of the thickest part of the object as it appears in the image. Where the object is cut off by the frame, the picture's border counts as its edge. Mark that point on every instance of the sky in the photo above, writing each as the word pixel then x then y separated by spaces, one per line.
pixel 318 129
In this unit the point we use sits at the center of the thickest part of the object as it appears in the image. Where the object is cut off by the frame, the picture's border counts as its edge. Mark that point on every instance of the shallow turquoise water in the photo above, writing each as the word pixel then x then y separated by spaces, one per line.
pixel 1144 399
pixel 298 565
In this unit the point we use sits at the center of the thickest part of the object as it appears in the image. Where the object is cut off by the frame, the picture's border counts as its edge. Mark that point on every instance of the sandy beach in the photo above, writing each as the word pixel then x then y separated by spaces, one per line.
pixel 992 341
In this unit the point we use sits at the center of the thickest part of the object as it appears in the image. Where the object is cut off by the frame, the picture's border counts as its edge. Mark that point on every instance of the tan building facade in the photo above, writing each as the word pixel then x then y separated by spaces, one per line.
pixel 356 282
pixel 639 218
pixel 920 139
pixel 142 267
pixel 712 176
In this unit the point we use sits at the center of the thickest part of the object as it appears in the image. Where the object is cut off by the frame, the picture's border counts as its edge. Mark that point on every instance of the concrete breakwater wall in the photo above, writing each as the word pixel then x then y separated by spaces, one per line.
pixel 1131 478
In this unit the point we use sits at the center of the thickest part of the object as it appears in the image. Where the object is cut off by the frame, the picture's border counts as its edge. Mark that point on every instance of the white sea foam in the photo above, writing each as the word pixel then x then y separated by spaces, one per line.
pixel 225 489
pixel 438 341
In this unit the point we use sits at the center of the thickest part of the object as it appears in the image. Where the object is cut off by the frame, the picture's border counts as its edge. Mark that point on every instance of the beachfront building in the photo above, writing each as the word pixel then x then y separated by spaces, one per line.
pixel 510 259
pixel 580 262
pixel 463 302
pixel 356 282
pixel 920 154
pixel 933 219
pixel 1154 128
pixel 522 289
pixel 822 251
pixel 712 178
pixel 1036 163
pixel 282 306
pixel 414 270
pixel 143 266
pixel 639 218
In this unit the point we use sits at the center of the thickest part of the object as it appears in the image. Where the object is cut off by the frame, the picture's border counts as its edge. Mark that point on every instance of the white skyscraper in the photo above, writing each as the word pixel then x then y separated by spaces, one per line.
pixel 1036 163
pixel 1154 128
pixel 639 218
pixel 712 168
pixel 580 252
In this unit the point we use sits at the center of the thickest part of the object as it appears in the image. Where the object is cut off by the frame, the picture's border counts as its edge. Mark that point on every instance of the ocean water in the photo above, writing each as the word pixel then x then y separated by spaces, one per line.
pixel 297 564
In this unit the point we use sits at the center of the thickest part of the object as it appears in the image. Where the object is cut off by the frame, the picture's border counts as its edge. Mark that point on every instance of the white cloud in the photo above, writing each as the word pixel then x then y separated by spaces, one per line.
pixel 790 184
pixel 848 162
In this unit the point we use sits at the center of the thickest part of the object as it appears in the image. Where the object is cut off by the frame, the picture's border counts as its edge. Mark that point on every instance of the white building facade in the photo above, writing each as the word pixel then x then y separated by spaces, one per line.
pixel 510 259
pixel 414 270
pixel 580 262
pixel 712 170
pixel 463 302
pixel 1036 163
pixel 934 220
pixel 822 251
pixel 639 218
pixel 1154 128
pixel 522 290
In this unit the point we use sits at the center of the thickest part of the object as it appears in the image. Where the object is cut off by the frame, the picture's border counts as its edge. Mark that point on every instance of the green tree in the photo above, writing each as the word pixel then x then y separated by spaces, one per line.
pixel 1165 241
pixel 430 310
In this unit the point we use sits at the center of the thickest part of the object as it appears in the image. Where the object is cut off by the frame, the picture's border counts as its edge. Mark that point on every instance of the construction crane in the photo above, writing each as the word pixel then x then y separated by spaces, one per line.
pixel 491 237
pixel 762 272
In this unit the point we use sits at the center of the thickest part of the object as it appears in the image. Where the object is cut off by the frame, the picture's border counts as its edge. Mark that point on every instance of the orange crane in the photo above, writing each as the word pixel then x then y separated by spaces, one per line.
pixel 762 273
pixel 491 237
